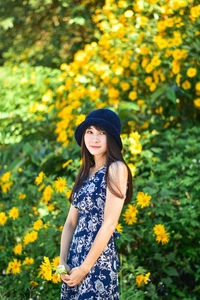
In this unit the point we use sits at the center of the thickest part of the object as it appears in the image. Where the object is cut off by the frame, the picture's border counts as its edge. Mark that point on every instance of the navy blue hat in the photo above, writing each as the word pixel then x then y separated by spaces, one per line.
pixel 105 119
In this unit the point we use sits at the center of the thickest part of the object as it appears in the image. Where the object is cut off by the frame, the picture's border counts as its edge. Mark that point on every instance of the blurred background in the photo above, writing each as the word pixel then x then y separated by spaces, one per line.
pixel 60 59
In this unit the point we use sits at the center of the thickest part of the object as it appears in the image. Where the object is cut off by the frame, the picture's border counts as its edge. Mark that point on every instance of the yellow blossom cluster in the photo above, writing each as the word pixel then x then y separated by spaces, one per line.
pixel 142 279
pixel 123 64
pixel 13 213
pixel 5 182
pixel 162 236
pixel 17 249
pixel 30 237
pixel 46 269
pixel 39 178
pixel 3 218
pixel 130 214
pixel 135 146
pixel 14 266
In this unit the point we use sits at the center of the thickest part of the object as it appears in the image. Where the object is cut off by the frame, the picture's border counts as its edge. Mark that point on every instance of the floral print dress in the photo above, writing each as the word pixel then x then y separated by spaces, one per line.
pixel 102 280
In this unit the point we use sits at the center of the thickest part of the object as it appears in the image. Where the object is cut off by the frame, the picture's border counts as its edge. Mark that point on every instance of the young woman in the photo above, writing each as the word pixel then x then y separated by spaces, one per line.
pixel 103 185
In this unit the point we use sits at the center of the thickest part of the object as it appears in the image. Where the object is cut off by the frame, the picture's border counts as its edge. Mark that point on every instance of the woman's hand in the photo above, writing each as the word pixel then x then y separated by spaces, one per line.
pixel 75 276
pixel 63 276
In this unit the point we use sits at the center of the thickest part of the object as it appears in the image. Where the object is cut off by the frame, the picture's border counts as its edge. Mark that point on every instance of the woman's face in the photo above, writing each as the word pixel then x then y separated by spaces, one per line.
pixel 95 141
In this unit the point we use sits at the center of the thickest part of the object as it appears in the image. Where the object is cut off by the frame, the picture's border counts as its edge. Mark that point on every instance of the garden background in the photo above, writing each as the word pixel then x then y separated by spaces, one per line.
pixel 60 59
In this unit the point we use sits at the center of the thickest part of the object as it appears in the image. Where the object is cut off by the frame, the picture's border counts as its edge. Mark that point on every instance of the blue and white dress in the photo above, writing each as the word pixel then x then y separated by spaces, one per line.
pixel 102 280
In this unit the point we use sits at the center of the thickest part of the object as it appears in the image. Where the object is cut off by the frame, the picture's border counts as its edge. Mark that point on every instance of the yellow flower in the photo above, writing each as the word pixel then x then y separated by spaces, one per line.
pixel 64 67
pixel 5 177
pixel 124 85
pixel 143 199
pixel 115 80
pixel 162 236
pixel 191 72
pixel 3 218
pixel 155 61
pixel 41 187
pixel 39 178
pixel 152 87
pixel 50 207
pixel 197 102
pixel 34 208
pixel 130 214
pixel 14 213
pixel 186 85
pixel 132 95
pixel 175 66
pixel 55 261
pixel 159 229
pixel 37 224
pixel 18 249
pixel 23 80
pixel 55 278
pixel 14 266
pixel 133 66
pixel 45 269
pixel 197 87
pixel 159 110
pixel 67 163
pixel 47 96
pixel 128 13
pixel 149 68
pixel 60 185
pixel 30 237
pixel 146 278
pixel 139 280
pixel 119 228
pixel 6 186
pixel 148 80
pixel 132 168
pixel 113 93
pixel 46 196
pixel 33 283
pixel 195 12
pixel 79 120
pixel 60 90
pixel 22 196
pixel 134 137
pixel 136 148
pixel 28 261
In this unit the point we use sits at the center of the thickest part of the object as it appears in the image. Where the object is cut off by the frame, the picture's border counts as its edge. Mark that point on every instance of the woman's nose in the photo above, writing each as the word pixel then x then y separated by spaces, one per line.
pixel 95 138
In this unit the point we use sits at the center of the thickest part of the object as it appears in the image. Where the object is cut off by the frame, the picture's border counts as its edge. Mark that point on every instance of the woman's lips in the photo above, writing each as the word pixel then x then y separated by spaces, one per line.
pixel 95 147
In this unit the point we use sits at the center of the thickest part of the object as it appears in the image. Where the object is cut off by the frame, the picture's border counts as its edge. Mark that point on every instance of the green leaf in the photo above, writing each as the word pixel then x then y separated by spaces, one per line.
pixel 171 271
pixel 7 23
pixel 170 93
pixel 77 20
pixel 128 105
pixel 157 94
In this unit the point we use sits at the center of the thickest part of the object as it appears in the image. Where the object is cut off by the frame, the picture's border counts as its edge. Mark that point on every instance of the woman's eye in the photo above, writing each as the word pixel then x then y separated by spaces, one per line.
pixel 103 132
pixel 89 131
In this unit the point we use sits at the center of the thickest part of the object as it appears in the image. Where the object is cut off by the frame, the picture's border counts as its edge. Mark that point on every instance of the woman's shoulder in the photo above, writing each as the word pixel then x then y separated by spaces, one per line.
pixel 117 167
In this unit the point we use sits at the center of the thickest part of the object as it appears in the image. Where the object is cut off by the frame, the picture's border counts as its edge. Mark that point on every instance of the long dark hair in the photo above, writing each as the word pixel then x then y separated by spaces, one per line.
pixel 113 154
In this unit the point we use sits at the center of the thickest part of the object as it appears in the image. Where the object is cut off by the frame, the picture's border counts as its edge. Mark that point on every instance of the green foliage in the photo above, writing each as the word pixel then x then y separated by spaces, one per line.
pixel 45 32
pixel 22 88
pixel 172 181
pixel 35 111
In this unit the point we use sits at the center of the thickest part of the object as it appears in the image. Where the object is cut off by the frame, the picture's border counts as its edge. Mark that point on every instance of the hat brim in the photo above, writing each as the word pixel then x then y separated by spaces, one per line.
pixel 102 123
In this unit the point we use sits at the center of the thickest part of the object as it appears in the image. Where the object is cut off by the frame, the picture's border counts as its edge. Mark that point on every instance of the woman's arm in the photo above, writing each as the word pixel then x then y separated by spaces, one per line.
pixel 113 207
pixel 67 233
